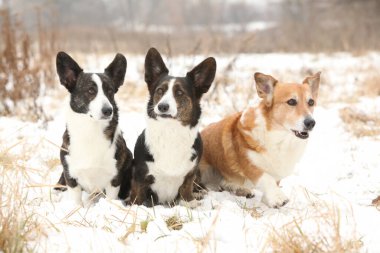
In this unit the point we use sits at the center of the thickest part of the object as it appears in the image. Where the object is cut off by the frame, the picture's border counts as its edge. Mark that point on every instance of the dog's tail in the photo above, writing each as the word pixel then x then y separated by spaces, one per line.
pixel 61 184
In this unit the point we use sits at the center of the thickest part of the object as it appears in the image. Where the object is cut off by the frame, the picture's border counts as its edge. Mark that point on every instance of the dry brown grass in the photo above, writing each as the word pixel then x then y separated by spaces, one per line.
pixel 174 222
pixel 360 123
pixel 370 86
pixel 26 67
pixel 204 244
pixel 18 226
pixel 323 228
pixel 254 212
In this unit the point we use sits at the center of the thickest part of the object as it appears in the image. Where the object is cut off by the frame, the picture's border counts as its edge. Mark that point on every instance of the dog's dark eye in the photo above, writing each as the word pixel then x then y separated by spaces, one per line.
pixel 311 102
pixel 292 102
pixel 92 91
pixel 178 93
pixel 160 91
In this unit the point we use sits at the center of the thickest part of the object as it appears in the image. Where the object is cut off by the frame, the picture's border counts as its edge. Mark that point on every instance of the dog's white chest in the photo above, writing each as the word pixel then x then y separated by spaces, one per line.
pixel 171 145
pixel 91 156
pixel 282 151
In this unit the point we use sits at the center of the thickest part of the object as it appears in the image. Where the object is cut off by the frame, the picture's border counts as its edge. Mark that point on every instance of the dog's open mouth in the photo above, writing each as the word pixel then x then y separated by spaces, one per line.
pixel 167 116
pixel 302 135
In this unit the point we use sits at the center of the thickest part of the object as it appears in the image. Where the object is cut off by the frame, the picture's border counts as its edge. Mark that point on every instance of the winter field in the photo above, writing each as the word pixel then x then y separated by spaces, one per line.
pixel 331 193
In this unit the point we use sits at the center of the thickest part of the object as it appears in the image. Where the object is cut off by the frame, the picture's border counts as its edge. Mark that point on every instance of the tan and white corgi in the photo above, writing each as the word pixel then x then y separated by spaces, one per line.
pixel 262 144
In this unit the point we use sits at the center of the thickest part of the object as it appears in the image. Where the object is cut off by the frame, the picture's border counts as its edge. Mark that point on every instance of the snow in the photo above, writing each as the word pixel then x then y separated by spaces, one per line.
pixel 339 174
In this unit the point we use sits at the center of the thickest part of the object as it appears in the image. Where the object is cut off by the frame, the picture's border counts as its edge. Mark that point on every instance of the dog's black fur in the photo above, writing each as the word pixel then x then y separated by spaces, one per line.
pixel 82 92
pixel 192 87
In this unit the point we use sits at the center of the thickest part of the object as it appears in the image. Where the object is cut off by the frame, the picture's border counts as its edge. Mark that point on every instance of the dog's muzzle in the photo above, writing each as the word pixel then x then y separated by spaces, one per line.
pixel 107 112
pixel 309 124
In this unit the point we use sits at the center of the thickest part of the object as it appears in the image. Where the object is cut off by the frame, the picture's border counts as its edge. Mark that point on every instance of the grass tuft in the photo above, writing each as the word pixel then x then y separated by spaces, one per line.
pixel 174 222
pixel 144 225
pixel 322 229
pixel 370 86
pixel 360 123
pixel 18 226
pixel 21 227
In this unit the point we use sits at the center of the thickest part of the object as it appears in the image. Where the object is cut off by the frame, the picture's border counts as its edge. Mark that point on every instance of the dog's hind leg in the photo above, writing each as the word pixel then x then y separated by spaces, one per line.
pixel 199 188
pixel 141 193
pixel 236 189
pixel 185 192
pixel 209 177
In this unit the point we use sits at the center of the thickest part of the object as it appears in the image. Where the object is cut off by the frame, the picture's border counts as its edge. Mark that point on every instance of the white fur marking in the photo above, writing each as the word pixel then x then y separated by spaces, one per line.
pixel 100 101
pixel 91 156
pixel 282 149
pixel 169 99
pixel 171 144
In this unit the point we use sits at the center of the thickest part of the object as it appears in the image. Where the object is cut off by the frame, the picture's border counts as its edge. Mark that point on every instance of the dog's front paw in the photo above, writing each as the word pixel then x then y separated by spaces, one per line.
pixel 200 194
pixel 73 197
pixel 275 198
pixel 190 204
pixel 244 192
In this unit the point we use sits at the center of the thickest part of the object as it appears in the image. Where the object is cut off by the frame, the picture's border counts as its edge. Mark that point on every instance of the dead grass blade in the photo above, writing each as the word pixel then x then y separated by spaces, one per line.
pixel 360 123
pixel 319 230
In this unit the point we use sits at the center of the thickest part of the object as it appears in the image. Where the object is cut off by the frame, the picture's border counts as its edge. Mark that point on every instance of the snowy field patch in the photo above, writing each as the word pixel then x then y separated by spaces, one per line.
pixel 330 193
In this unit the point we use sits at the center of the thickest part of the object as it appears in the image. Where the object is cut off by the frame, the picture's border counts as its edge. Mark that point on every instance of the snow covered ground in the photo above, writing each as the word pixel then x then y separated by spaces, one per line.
pixel 330 193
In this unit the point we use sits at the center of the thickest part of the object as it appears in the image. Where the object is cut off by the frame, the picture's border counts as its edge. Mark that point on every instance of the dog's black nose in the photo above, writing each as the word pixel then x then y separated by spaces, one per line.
pixel 163 107
pixel 309 123
pixel 107 111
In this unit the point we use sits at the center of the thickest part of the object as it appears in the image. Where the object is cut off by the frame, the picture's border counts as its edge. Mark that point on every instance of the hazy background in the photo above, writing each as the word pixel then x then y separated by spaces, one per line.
pixel 33 31
pixel 200 26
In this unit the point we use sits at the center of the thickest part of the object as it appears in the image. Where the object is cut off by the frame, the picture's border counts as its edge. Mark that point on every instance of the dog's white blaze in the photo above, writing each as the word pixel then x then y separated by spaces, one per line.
pixel 282 149
pixel 171 144
pixel 100 101
pixel 169 99
pixel 91 156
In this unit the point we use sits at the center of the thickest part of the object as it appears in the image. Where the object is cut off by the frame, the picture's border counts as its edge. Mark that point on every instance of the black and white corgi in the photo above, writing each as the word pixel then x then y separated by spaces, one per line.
pixel 168 151
pixel 94 155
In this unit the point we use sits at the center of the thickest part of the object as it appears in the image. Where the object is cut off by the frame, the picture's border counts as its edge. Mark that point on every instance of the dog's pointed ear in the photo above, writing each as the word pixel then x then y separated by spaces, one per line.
pixel 68 70
pixel 265 86
pixel 116 70
pixel 203 75
pixel 313 81
pixel 154 67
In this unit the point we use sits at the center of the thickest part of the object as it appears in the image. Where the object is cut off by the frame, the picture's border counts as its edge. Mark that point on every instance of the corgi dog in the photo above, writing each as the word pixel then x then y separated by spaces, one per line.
pixel 262 144
pixel 94 155
pixel 168 151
